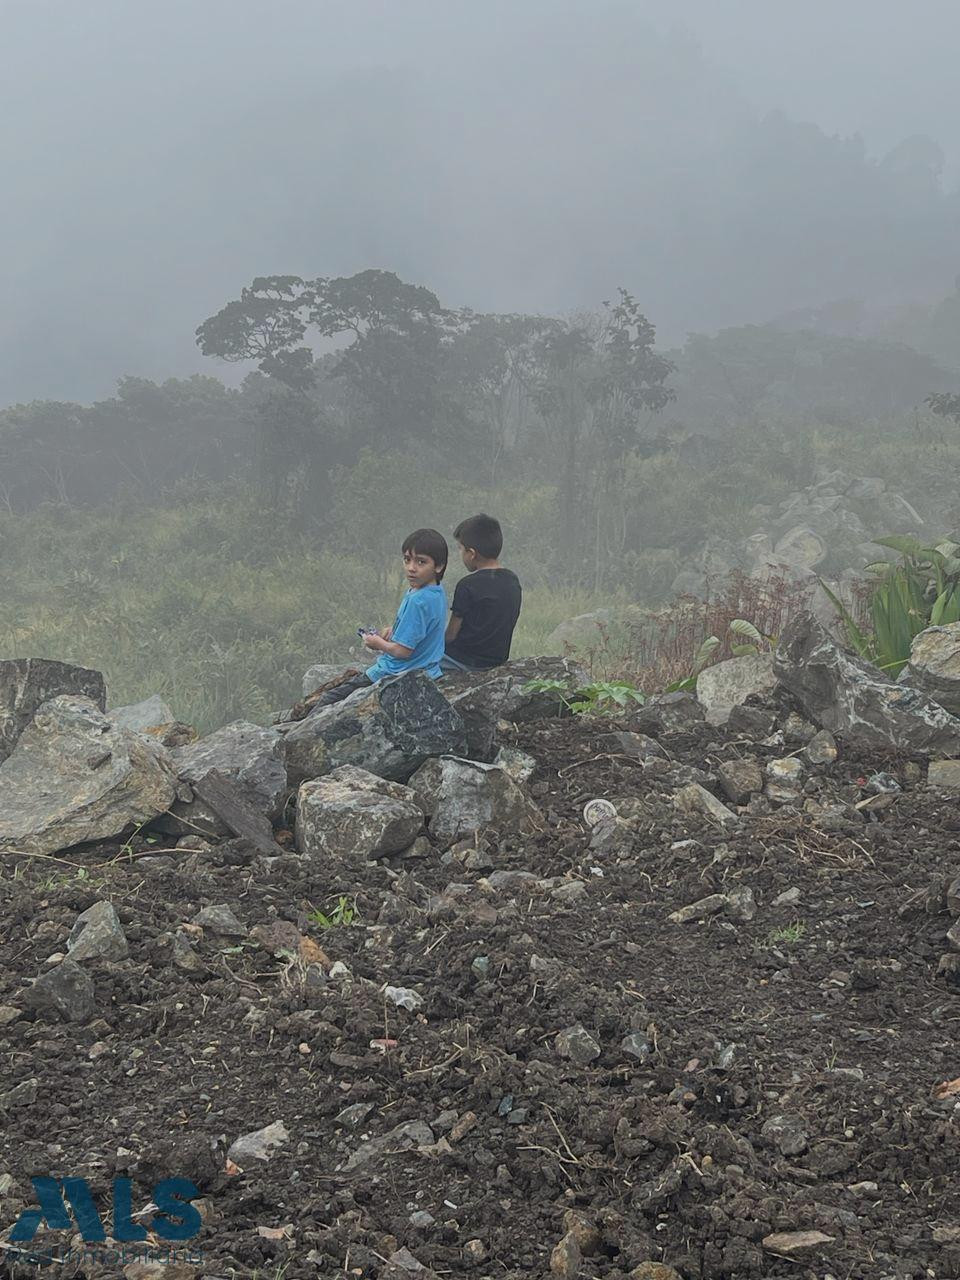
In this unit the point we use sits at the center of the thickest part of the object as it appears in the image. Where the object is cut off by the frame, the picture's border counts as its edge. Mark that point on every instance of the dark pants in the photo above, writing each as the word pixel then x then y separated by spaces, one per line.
pixel 341 691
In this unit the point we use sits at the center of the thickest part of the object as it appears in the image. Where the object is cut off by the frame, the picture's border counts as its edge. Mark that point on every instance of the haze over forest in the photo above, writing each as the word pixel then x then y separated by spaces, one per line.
pixel 728 163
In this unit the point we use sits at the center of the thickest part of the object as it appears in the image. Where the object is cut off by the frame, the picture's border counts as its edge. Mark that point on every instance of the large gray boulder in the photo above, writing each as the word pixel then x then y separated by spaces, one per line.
pixel 353 813
pixel 74 777
pixel 482 698
pixel 848 696
pixel 729 684
pixel 27 683
pixel 389 730
pixel 248 754
pixel 934 666
pixel 464 796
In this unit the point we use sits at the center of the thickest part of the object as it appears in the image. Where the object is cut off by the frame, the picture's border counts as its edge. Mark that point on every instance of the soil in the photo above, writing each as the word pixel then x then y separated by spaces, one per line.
pixel 828 1011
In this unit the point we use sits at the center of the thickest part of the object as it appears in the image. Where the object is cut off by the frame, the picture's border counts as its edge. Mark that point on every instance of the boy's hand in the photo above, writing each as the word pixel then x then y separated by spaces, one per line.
pixel 386 633
pixel 373 641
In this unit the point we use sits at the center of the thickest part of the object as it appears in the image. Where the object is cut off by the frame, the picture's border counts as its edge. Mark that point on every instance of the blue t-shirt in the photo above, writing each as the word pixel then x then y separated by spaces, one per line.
pixel 420 625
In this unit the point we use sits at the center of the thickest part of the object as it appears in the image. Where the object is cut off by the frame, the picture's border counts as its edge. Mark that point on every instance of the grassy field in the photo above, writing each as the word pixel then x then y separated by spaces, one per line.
pixel 216 609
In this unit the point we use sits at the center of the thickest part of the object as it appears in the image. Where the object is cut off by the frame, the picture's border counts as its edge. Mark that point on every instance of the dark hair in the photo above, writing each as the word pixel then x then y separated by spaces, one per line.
pixel 482 533
pixel 427 542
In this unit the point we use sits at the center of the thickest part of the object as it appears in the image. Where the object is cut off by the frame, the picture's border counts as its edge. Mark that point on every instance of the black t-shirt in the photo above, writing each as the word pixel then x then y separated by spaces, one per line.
pixel 488 603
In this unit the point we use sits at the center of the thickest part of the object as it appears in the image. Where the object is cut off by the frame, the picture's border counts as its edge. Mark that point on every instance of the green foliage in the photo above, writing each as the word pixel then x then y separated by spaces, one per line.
pixel 602 697
pixel 343 914
pixel 921 590
pixel 606 697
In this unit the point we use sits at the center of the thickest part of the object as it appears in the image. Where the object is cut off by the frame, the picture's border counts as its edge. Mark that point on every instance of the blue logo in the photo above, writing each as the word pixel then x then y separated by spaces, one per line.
pixel 176 1219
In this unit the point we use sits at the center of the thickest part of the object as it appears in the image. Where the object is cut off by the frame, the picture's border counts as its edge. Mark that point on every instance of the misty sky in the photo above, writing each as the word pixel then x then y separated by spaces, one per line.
pixel 510 154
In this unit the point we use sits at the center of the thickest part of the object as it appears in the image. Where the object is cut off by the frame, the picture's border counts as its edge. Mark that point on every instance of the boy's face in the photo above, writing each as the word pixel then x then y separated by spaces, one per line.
pixel 421 570
pixel 468 556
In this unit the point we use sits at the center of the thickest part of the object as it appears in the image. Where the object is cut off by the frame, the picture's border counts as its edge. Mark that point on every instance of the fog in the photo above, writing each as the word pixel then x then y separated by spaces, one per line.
pixel 725 162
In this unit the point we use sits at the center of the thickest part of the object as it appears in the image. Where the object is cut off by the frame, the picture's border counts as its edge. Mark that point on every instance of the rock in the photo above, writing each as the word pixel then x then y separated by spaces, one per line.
pixel 565 1258
pixel 8 1014
pixel 696 799
pixel 259 1145
pixel 789 898
pixel 402 1265
pixel 752 722
pixel 636 1046
pixel 638 746
pixel 143 717
pixel 516 763
pixel 220 919
pixel 249 755
pixel 800 548
pixel 781 793
pixel 739 779
pixel 786 1133
pixel 584 1231
pixel 788 770
pixel 27 683
pixel 353 813
pixel 846 695
pixel 793 1243
pixel 796 729
pixel 23 1094
pixel 577 1044
pixel 97 935
pixel 389 730
pixel 934 666
pixel 483 698
pixel 582 633
pixel 699 910
pixel 944 775
pixel 741 904
pixel 461 797
pixel 667 713
pixel 413 1133
pixel 75 777
pixel 654 1271
pixel 67 990
pixel 184 956
pixel 322 673
pixel 728 684
pixel 821 749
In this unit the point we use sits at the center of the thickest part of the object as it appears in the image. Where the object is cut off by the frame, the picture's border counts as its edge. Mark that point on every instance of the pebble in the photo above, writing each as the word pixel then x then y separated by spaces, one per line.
pixel 789 898
pixel 741 904
pixel 699 910
pixel 97 935
pixel 821 749
pixel 578 1044
pixel 792 1243
pixel 260 1144
pixel 637 1046
pixel 67 989
pixel 220 919
pixel 565 1258
pixel 422 1220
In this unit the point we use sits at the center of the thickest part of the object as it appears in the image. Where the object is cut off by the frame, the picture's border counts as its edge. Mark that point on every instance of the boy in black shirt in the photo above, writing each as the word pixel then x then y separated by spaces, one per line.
pixel 486 603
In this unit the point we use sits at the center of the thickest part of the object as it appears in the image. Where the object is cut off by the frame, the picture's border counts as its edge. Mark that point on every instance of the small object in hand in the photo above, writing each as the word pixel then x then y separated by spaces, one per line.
pixel 365 631
pixel 595 811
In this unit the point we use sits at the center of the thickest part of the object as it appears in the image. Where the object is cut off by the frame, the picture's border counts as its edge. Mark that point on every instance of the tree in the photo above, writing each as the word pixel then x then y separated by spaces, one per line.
pixel 599 380
pixel 946 405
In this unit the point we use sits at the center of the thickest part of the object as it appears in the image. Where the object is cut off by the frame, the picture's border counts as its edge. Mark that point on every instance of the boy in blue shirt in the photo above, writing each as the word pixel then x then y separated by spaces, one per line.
pixel 416 639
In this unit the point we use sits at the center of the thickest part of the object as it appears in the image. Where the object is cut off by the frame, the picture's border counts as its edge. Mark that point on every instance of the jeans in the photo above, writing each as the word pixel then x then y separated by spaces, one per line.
pixel 342 691
pixel 452 664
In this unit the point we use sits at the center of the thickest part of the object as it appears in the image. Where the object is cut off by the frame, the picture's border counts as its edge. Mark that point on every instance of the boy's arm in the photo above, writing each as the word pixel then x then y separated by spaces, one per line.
pixel 453 628
pixel 373 641
pixel 461 603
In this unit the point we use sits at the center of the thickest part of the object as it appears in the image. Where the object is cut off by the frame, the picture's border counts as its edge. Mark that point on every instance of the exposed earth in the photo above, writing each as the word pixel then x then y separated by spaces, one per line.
pixel 780 1076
